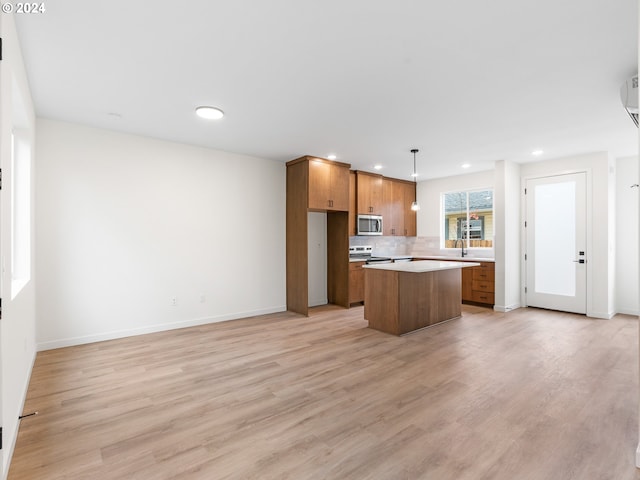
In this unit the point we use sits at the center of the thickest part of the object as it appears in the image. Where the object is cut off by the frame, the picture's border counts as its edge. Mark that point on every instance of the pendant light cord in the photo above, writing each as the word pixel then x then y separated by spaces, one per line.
pixel 415 175
pixel 414 205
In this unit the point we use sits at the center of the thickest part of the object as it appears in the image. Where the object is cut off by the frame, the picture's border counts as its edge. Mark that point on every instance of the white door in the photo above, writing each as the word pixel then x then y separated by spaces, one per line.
pixel 556 232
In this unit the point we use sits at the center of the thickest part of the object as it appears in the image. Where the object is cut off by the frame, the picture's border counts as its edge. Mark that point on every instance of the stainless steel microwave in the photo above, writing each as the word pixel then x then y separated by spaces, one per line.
pixel 369 224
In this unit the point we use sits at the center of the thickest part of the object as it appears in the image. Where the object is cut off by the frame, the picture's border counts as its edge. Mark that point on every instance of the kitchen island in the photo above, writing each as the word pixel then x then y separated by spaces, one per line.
pixel 403 297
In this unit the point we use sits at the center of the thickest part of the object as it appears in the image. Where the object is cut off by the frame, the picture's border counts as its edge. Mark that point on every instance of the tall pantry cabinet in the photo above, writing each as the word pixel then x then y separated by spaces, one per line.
pixel 317 185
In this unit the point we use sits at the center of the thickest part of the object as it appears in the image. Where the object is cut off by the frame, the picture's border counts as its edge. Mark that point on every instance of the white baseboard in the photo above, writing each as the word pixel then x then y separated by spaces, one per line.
pixel 604 315
pixel 506 308
pixel 628 311
pixel 9 444
pixel 101 337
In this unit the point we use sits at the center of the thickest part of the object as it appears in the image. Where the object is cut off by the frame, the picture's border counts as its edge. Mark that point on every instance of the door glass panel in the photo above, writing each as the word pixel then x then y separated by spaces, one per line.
pixel 555 238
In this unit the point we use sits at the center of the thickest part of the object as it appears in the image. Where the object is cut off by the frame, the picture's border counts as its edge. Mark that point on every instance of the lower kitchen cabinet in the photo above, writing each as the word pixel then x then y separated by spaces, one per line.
pixel 478 284
pixel 356 282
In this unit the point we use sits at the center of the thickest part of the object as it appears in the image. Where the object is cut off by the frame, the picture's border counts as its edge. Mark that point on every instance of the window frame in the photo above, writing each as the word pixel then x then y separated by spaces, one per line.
pixel 465 236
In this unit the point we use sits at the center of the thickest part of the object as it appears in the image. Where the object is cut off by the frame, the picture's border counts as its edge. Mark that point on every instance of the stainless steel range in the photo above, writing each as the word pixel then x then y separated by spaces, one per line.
pixel 364 252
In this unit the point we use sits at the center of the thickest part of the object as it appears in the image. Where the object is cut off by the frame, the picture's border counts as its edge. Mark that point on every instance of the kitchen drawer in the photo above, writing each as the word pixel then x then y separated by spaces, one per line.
pixel 483 297
pixel 486 273
pixel 356 265
pixel 483 286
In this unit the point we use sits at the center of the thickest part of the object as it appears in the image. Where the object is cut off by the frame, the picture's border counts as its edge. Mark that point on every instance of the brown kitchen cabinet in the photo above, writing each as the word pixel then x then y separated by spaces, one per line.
pixel 478 284
pixel 316 184
pixel 328 185
pixel 396 209
pixel 398 218
pixel 387 207
pixel 369 193
pixel 356 282
pixel 409 196
pixel 352 204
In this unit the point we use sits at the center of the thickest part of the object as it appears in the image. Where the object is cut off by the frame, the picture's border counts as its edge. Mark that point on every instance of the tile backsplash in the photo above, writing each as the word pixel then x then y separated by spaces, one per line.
pixel 426 246
pixel 385 246
pixel 388 246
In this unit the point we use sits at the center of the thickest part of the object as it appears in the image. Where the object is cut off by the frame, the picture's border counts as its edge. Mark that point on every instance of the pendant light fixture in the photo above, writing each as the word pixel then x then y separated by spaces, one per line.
pixel 414 205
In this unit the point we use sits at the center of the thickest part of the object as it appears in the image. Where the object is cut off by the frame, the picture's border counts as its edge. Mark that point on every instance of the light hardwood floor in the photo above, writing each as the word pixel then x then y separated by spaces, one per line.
pixel 530 394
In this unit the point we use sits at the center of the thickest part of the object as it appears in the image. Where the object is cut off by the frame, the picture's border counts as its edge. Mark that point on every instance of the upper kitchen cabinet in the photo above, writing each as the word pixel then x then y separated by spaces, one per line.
pixel 409 196
pixel 328 183
pixel 352 203
pixel 369 193
pixel 398 218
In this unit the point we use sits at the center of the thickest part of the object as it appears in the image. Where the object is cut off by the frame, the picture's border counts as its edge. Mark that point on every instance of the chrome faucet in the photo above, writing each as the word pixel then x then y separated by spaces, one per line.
pixel 455 245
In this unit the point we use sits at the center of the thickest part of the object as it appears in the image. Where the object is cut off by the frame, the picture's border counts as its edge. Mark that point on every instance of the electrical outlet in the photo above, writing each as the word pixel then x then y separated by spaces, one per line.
pixel 173 302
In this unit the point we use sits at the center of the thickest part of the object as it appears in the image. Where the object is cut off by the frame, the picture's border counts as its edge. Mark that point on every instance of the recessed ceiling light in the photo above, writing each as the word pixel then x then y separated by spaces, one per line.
pixel 465 165
pixel 332 156
pixel 378 167
pixel 210 113
pixel 537 153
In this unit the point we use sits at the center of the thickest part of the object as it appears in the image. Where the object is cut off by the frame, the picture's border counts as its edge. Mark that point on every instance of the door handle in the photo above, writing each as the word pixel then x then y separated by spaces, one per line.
pixel 582 260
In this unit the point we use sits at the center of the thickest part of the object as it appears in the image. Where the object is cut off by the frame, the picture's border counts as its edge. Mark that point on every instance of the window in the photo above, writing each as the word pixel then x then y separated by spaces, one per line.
pixel 20 211
pixel 468 216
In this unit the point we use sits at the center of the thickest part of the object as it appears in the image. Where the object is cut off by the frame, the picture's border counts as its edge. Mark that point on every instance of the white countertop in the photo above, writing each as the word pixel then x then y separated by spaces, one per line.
pixel 456 259
pixel 421 266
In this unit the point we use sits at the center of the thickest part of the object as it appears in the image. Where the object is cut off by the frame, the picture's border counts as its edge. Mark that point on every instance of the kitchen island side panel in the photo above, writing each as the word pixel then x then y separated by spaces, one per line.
pixel 418 305
pixel 381 304
pixel 449 292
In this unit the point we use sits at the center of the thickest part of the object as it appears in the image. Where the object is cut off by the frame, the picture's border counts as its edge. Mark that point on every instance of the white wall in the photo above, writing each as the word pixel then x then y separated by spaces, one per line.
pixel 127 223
pixel 600 243
pixel 17 327
pixel 611 240
pixel 627 241
pixel 507 235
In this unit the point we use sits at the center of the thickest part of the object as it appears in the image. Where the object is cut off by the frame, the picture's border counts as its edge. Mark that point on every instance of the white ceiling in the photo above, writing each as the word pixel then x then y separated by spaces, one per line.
pixel 463 81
